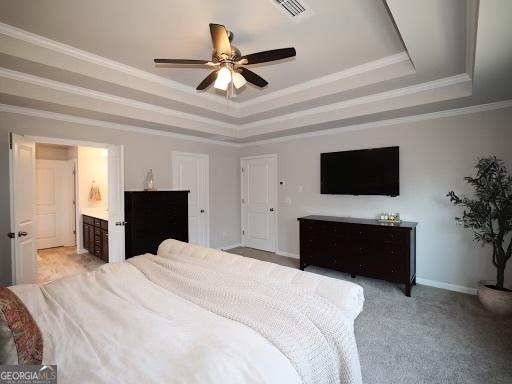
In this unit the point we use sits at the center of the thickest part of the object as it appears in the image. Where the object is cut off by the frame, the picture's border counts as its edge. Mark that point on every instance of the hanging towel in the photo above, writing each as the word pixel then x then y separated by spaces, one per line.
pixel 95 193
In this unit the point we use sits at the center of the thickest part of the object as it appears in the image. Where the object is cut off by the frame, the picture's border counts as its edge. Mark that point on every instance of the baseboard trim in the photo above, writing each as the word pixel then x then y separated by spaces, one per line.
pixel 447 286
pixel 81 251
pixel 430 283
pixel 287 254
pixel 228 247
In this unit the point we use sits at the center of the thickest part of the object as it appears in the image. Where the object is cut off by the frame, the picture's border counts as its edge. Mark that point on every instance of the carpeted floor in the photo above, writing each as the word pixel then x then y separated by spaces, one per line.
pixel 435 336
pixel 53 263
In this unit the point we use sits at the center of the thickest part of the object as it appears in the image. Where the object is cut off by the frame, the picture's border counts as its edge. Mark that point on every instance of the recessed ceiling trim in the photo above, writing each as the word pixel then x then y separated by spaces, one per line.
pixel 442 89
pixel 393 66
pixel 387 122
pixel 39 81
pixel 106 124
pixel 472 12
pixel 305 91
pixel 354 127
pixel 68 50
pixel 322 111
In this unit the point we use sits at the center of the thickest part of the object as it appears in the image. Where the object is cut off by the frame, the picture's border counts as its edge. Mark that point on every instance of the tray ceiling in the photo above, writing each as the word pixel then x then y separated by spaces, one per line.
pixel 356 59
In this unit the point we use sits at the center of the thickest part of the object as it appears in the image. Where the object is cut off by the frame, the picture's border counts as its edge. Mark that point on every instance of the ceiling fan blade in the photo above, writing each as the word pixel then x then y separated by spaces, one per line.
pixel 207 81
pixel 181 61
pixel 265 56
pixel 220 39
pixel 252 78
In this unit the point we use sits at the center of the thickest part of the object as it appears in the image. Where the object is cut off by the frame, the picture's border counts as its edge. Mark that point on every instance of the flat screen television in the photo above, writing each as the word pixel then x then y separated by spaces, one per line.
pixel 361 172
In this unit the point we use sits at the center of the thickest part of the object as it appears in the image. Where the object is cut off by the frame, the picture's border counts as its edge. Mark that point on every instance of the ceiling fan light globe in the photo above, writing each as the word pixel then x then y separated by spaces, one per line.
pixel 238 80
pixel 222 85
pixel 224 75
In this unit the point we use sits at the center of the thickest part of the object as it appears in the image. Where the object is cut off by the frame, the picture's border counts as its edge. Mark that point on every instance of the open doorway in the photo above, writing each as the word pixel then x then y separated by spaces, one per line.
pixel 67 207
pixel 71 181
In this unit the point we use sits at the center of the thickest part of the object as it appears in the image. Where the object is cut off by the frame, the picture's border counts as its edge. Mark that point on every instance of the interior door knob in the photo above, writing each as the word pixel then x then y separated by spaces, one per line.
pixel 121 223
pixel 202 210
pixel 271 209
pixel 22 233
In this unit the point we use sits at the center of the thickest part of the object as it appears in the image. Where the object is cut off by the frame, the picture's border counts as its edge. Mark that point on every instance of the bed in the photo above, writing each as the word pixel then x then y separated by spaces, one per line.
pixel 196 315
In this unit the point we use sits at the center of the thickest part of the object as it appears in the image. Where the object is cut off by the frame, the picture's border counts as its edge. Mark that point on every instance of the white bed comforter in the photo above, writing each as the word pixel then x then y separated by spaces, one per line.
pixel 188 318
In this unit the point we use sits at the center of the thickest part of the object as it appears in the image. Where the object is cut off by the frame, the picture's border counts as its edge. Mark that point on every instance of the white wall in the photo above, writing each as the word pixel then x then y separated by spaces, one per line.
pixel 141 152
pixel 435 155
pixel 92 166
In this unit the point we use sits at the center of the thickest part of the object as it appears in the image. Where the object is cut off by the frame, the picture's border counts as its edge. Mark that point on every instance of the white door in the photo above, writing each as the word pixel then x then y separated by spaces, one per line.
pixel 54 203
pixel 190 172
pixel 23 212
pixel 259 202
pixel 116 203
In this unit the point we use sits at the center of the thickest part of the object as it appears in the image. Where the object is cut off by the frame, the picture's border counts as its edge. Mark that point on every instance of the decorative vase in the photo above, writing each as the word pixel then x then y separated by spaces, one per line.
pixel 149 184
pixel 495 300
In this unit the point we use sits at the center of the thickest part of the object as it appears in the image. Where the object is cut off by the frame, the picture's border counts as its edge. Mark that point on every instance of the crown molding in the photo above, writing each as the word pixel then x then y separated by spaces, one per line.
pixel 472 14
pixel 381 101
pixel 355 127
pixel 43 42
pixel 73 89
pixel 384 123
pixel 383 96
pixel 328 79
pixel 204 100
pixel 104 124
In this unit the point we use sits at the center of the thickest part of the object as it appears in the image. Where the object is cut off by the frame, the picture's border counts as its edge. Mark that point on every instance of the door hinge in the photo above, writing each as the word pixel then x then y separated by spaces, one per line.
pixel 10 140
pixel 242 169
pixel 11 235
pixel 243 232
pixel 243 201
pixel 74 232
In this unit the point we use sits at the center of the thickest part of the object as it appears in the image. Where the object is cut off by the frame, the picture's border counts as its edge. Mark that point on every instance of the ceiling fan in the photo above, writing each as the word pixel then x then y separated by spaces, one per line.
pixel 229 63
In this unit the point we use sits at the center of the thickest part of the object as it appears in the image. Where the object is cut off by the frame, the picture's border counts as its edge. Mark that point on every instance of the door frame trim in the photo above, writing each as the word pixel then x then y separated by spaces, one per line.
pixel 11 209
pixel 206 157
pixel 276 197
pixel 54 140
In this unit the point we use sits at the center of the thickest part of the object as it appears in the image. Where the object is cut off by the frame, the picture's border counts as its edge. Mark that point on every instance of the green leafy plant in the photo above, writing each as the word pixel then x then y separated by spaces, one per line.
pixel 489 214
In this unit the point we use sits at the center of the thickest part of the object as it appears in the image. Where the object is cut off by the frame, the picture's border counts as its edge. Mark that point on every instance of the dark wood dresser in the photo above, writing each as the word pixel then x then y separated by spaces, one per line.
pixel 95 236
pixel 152 217
pixel 360 247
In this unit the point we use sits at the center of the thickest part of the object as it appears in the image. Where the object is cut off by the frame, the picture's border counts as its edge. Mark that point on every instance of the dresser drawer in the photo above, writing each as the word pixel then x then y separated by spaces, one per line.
pixel 88 220
pixel 360 247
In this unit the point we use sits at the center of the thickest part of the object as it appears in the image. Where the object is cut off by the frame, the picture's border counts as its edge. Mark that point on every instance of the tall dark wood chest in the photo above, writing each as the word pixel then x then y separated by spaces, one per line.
pixel 152 217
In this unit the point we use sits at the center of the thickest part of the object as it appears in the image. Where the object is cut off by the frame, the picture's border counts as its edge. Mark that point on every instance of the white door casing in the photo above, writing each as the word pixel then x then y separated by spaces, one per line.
pixel 259 202
pixel 190 171
pixel 116 221
pixel 54 203
pixel 24 270
pixel 23 213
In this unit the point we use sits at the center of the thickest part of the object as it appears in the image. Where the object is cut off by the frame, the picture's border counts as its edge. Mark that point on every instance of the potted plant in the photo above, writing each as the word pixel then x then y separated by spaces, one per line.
pixel 489 216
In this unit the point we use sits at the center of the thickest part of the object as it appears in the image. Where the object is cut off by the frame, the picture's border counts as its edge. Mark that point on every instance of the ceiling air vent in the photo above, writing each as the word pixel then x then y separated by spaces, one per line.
pixel 296 10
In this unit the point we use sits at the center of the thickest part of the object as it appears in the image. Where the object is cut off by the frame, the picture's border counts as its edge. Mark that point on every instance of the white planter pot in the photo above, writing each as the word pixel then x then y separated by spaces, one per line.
pixel 495 301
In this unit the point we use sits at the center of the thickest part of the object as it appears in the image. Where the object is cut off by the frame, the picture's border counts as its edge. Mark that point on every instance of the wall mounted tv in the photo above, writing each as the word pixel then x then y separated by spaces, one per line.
pixel 361 172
